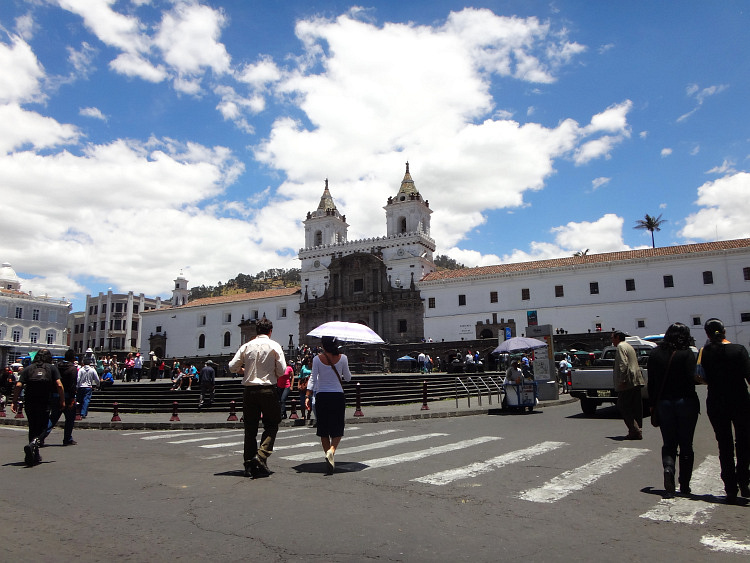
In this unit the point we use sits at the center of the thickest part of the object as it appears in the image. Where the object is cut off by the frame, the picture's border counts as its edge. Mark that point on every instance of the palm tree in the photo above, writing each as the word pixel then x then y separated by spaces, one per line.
pixel 650 224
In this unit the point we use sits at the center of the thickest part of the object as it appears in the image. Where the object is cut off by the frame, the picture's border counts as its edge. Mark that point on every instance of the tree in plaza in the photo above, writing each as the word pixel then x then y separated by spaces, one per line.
pixel 650 224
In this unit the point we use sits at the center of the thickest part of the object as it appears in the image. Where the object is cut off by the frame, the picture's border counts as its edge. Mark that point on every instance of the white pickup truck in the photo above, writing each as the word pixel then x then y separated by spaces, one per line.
pixel 595 386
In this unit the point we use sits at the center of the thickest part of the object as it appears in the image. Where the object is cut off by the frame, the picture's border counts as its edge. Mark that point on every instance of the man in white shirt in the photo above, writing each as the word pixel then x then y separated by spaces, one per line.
pixel 260 362
pixel 87 380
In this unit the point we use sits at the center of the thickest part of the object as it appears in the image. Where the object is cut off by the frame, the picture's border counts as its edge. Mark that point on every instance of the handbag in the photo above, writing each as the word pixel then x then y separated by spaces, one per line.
pixel 655 420
pixel 700 373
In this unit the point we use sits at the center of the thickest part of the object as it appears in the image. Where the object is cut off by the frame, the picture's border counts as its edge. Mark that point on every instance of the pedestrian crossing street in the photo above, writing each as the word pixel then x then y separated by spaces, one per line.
pixel 365 446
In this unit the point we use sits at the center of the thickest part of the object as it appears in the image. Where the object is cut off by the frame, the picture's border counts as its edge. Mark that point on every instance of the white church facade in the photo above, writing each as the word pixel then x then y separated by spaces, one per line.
pixel 391 284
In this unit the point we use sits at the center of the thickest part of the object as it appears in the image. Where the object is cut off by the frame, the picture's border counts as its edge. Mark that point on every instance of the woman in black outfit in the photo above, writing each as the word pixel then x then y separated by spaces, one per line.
pixel 727 369
pixel 671 390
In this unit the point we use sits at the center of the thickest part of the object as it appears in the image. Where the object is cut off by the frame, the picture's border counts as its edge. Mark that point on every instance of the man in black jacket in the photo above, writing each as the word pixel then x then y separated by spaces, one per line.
pixel 207 381
pixel 41 378
pixel 69 376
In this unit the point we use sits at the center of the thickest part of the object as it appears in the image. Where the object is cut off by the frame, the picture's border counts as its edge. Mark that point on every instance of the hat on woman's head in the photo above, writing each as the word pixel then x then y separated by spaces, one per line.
pixel 331 344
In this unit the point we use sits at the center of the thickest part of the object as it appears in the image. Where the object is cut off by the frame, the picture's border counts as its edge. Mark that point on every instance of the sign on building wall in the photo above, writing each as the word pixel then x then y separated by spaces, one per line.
pixel 531 318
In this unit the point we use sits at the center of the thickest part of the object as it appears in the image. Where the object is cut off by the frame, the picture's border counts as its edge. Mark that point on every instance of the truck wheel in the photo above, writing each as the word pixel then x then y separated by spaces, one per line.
pixel 588 407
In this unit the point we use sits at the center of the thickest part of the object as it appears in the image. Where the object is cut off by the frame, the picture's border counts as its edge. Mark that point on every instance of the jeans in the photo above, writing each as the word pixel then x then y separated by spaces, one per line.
pixel 55 414
pixel 84 398
pixel 257 400
pixel 283 394
pixel 678 419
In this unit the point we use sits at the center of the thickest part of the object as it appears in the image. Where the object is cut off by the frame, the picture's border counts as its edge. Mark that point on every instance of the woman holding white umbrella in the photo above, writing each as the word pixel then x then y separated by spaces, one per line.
pixel 329 369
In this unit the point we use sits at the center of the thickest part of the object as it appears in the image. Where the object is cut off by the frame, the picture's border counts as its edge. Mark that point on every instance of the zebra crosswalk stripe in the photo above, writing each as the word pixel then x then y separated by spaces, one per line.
pixel 414 456
pixel 576 479
pixel 474 469
pixel 364 448
pixel 726 544
pixel 686 510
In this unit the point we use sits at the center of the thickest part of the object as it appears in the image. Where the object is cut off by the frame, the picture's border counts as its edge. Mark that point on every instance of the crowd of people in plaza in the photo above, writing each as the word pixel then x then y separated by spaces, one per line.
pixel 51 391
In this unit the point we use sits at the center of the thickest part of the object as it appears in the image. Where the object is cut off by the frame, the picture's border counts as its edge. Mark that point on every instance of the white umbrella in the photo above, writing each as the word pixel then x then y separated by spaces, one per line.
pixel 349 332
pixel 518 343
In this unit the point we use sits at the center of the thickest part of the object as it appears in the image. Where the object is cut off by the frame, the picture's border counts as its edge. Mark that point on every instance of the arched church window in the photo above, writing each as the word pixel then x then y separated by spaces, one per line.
pixel 318 238
pixel 402 224
pixel 202 341
pixel 227 338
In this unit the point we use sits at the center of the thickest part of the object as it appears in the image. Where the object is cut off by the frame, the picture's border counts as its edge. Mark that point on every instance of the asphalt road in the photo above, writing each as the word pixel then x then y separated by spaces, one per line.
pixel 547 486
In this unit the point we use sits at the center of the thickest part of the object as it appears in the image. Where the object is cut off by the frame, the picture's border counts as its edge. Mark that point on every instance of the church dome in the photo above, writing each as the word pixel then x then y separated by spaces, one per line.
pixel 8 277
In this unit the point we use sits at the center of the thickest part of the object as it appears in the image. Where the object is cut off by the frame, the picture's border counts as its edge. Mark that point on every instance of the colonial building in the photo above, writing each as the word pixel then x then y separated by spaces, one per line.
pixel 217 326
pixel 29 322
pixel 391 284
pixel 370 281
pixel 111 322
pixel 639 291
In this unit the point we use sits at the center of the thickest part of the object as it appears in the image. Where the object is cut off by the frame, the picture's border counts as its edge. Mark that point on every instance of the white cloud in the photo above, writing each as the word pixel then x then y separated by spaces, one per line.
pixel 597 183
pixel 21 129
pixel 700 95
pixel 188 38
pixel 726 168
pixel 471 163
pixel 665 152
pixel 25 26
pixel 92 112
pixel 20 73
pixel 134 65
pixel 725 209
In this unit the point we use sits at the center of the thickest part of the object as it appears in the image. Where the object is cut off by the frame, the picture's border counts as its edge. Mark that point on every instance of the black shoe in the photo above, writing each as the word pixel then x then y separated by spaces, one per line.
pixel 28 455
pixel 745 491
pixel 70 443
pixel 251 470
pixel 685 489
pixel 41 442
pixel 731 499
pixel 669 481
pixel 262 466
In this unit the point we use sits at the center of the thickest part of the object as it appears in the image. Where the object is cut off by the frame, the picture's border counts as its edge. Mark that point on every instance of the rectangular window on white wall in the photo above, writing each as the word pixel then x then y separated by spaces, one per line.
pixel 35 314
pixel 227 317
pixel 50 338
pixel 16 335
pixel 19 312
pixel 282 313
pixel 34 336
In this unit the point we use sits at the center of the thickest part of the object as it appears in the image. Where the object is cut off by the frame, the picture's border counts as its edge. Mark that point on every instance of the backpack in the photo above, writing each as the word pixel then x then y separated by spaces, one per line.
pixel 40 374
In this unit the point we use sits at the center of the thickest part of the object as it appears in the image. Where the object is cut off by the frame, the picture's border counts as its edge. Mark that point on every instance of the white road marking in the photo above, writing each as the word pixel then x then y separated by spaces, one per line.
pixel 726 544
pixel 15 428
pixel 204 435
pixel 231 444
pixel 474 469
pixel 580 477
pixel 690 510
pixel 364 448
pixel 414 456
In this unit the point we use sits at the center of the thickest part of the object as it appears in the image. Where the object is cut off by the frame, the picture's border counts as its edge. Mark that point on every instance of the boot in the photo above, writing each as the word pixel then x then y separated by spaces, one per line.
pixel 668 464
pixel 686 472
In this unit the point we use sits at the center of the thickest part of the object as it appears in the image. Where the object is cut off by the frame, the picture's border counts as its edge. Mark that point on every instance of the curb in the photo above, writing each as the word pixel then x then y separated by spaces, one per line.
pixel 350 419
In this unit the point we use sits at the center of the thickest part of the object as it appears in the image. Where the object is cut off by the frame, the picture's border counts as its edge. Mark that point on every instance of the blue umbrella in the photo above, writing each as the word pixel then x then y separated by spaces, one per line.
pixel 406 359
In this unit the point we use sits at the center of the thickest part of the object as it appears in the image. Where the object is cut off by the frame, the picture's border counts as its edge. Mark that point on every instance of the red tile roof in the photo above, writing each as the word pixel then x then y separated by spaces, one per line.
pixel 235 297
pixel 588 259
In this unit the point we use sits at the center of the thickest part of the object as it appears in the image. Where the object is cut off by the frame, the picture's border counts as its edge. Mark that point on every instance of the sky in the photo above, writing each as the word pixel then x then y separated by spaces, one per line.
pixel 142 138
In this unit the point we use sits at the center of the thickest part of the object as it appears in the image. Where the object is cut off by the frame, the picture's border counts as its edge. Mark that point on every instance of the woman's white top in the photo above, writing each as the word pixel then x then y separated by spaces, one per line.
pixel 324 379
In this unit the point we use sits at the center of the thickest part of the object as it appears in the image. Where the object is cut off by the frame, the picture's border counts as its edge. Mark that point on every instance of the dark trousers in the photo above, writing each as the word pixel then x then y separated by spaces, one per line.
pixel 723 417
pixel 631 408
pixel 678 419
pixel 260 400
pixel 56 413
pixel 207 394
pixel 38 415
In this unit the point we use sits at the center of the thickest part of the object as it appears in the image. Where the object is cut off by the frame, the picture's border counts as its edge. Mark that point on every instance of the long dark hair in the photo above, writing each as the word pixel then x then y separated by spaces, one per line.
pixel 677 337
pixel 715 330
